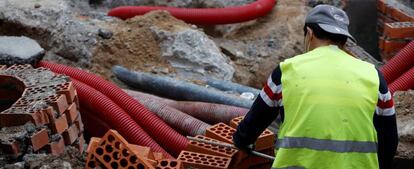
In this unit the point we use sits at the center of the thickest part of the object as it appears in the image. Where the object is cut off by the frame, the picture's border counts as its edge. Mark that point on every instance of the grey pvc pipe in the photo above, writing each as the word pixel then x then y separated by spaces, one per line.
pixel 175 89
pixel 230 86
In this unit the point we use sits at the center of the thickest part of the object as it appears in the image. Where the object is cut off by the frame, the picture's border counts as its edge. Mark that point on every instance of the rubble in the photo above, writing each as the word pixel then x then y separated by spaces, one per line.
pixel 19 50
pixel 192 53
pixel 405 121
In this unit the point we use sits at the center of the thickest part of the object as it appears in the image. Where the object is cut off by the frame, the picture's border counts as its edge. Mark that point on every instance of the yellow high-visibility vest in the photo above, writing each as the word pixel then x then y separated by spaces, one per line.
pixel 329 99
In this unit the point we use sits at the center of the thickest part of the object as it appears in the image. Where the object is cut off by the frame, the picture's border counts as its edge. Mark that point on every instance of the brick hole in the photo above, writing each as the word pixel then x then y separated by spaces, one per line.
pixel 229 137
pixel 109 148
pixel 189 157
pixel 222 165
pixel 140 166
pixel 213 129
pixel 211 161
pixel 225 131
pixel 206 163
pixel 123 163
pixel 117 145
pixel 107 158
pixel 203 159
pixel 114 165
pixel 198 161
pixel 130 167
pixel 115 155
pixel 15 89
pixel 200 144
pixel 219 161
pixel 214 148
pixel 225 159
pixel 125 153
pixel 133 159
pixel 216 158
pixel 91 164
pixel 185 153
pixel 207 146
pixel 164 163
pixel 189 160
pixel 220 128
pixel 218 132
pixel 221 150
pixel 99 151
pixel 196 158
pixel 221 125
pixel 209 157
pixel 111 138
pixel 193 142
pixel 202 156
pixel 173 163
pixel 157 167
pixel 182 159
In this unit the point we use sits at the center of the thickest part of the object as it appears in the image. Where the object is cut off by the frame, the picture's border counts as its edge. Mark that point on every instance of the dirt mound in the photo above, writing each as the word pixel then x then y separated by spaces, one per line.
pixel 405 120
pixel 134 46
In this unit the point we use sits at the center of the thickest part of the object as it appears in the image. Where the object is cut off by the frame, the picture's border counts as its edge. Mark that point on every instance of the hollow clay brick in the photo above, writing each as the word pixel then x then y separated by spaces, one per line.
pixel 397 30
pixel 59 125
pixel 56 147
pixel 39 139
pixel 59 103
pixel 67 89
pixel 71 113
pixel 11 147
pixel 206 148
pixel 169 164
pixel 70 134
pixel 114 152
pixel 203 161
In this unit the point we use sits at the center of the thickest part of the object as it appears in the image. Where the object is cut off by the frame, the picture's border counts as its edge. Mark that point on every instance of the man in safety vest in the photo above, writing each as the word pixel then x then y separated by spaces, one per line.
pixel 336 110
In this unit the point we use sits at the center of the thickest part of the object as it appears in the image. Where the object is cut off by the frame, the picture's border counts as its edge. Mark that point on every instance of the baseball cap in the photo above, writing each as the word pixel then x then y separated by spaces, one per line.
pixel 331 19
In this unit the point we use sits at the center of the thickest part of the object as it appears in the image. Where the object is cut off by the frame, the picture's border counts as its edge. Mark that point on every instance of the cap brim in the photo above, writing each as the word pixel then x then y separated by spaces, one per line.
pixel 336 30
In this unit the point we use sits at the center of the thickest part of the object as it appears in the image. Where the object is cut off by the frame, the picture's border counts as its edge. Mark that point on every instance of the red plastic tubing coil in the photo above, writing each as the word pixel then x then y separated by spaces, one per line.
pixel 163 134
pixel 399 64
pixel 203 16
pixel 404 82
pixel 116 116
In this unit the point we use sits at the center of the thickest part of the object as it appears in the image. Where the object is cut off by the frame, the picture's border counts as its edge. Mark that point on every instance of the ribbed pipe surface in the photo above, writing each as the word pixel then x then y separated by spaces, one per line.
pixel 208 112
pixel 163 134
pixel 205 16
pixel 404 82
pixel 399 64
pixel 95 126
pixel 116 116
pixel 180 121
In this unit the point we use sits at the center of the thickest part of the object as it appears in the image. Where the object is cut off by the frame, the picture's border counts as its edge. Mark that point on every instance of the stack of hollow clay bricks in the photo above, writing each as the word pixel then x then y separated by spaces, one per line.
pixel 46 100
pixel 113 151
pixel 395 25
pixel 203 155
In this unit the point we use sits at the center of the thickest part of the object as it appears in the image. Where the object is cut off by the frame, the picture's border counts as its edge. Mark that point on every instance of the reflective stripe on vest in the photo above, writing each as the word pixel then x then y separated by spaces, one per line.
pixel 327 145
pixel 292 167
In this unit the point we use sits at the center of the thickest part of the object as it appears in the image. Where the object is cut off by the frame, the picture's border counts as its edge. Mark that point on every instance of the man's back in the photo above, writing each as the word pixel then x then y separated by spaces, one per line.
pixel 329 102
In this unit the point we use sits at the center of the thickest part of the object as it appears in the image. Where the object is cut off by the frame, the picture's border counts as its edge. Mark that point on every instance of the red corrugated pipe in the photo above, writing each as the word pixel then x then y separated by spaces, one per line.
pixel 404 82
pixel 163 134
pixel 399 64
pixel 116 116
pixel 205 16
pixel 184 123
pixel 208 112
pixel 95 126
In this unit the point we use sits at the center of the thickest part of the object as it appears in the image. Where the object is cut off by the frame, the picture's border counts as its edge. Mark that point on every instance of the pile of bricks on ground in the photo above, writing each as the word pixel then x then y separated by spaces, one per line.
pixel 40 113
pixel 395 26
pixel 112 151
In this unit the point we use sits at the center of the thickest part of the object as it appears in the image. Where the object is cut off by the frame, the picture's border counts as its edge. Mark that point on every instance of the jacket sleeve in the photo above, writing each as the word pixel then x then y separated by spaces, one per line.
pixel 262 113
pixel 385 125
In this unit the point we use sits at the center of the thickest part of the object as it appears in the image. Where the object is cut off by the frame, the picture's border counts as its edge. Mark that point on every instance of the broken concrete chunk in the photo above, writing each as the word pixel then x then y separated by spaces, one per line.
pixel 193 54
pixel 19 50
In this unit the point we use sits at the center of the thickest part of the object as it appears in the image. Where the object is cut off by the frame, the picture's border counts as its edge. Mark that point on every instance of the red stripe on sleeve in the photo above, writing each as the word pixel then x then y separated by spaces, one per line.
pixel 385 105
pixel 269 92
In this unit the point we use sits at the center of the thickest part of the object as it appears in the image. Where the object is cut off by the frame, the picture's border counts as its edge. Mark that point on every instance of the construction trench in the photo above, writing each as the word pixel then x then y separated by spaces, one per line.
pixel 81 88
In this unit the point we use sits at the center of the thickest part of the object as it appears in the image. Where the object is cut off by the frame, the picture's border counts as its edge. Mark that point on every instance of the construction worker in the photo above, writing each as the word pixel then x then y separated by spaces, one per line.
pixel 336 110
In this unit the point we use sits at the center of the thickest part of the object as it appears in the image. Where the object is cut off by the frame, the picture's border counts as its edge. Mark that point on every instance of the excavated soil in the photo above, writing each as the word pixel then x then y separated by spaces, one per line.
pixel 134 46
pixel 405 121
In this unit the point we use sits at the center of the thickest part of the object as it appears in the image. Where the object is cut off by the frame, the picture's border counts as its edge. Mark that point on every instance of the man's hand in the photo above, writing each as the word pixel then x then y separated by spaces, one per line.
pixel 248 148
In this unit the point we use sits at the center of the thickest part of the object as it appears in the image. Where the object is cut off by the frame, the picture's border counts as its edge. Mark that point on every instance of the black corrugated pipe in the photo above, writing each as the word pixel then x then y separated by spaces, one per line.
pixel 230 86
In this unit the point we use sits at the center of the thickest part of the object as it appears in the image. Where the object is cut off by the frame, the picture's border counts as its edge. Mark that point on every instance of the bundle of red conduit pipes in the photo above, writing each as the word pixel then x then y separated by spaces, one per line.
pixel 399 71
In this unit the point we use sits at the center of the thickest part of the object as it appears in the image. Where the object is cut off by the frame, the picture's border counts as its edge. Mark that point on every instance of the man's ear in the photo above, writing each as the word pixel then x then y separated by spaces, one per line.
pixel 310 32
